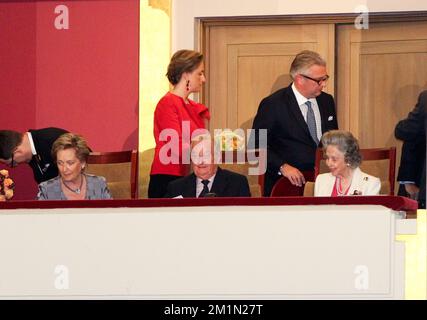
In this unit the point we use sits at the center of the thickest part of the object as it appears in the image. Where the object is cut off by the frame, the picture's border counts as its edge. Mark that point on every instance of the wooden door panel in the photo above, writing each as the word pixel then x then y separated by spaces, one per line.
pixel 380 73
pixel 247 63
pixel 379 76
pixel 387 96
pixel 250 91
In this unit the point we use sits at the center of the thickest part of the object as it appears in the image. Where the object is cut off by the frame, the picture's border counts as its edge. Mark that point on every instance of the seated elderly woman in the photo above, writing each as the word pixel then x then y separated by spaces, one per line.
pixel 70 153
pixel 343 158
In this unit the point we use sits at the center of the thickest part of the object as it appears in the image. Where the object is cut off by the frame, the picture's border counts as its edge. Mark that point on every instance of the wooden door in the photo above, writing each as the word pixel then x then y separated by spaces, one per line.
pixel 377 78
pixel 380 73
pixel 246 63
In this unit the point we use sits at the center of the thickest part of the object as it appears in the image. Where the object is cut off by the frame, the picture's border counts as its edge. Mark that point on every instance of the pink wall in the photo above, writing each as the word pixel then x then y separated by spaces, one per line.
pixel 84 79
pixel 18 80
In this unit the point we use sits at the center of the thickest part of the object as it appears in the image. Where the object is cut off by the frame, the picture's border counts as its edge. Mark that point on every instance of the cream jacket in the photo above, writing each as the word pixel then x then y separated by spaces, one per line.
pixel 364 184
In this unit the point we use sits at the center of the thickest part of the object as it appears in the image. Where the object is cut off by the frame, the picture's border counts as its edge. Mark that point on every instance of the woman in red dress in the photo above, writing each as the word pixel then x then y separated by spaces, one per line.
pixel 176 118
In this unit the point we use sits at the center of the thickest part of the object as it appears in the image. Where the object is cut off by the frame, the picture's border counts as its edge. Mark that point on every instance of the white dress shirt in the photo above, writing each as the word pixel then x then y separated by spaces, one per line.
pixel 33 148
pixel 303 107
pixel 200 185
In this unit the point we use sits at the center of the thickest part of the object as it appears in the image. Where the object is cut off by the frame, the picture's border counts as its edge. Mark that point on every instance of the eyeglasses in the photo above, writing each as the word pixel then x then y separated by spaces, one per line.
pixel 318 81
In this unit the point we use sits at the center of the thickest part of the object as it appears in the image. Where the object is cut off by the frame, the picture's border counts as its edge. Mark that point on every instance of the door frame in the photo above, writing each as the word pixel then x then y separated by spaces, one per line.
pixel 203 26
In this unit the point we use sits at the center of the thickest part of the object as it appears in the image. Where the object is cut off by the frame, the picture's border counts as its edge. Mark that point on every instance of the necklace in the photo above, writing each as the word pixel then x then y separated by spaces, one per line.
pixel 78 190
pixel 338 187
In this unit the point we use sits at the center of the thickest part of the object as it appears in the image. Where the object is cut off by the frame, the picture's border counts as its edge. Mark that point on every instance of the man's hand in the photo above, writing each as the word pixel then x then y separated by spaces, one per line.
pixel 293 174
pixel 412 190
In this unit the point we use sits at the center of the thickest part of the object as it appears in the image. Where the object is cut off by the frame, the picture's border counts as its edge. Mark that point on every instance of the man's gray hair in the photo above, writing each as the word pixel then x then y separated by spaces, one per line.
pixel 304 60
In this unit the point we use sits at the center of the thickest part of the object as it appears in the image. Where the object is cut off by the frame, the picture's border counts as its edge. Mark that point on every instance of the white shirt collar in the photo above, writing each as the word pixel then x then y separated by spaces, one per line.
pixel 199 181
pixel 199 184
pixel 33 148
pixel 300 98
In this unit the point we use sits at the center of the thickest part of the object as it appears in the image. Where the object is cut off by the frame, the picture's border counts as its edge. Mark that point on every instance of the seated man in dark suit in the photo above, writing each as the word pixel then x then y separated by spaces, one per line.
pixel 207 178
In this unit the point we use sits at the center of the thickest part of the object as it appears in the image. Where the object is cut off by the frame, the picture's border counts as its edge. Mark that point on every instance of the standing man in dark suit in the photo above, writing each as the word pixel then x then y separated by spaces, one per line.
pixel 412 170
pixel 32 147
pixel 295 118
pixel 207 179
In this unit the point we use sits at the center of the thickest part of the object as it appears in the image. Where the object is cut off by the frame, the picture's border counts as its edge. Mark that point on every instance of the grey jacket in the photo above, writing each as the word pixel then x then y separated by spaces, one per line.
pixel 96 189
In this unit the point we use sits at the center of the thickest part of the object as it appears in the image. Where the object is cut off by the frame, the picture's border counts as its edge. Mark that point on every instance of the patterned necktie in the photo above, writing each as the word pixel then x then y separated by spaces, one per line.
pixel 311 122
pixel 205 188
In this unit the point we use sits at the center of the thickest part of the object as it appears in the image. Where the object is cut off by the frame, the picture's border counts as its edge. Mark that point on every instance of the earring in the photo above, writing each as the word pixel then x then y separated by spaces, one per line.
pixel 188 85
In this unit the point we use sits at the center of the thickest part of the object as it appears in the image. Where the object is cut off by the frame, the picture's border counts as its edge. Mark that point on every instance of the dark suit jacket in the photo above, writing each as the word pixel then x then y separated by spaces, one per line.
pixel 413 161
pixel 288 137
pixel 226 184
pixel 42 164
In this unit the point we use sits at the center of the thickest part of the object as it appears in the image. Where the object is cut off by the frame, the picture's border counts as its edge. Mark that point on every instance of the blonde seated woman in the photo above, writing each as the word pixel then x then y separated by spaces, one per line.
pixel 70 153
pixel 343 158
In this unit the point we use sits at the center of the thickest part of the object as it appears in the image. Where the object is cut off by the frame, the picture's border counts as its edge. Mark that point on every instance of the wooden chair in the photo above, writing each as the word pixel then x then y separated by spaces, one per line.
pixel 378 162
pixel 240 162
pixel 120 170
pixel 309 189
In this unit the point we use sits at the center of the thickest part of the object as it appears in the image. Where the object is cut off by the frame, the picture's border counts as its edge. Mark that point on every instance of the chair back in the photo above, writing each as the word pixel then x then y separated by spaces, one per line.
pixel 241 162
pixel 378 162
pixel 284 188
pixel 309 189
pixel 119 169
